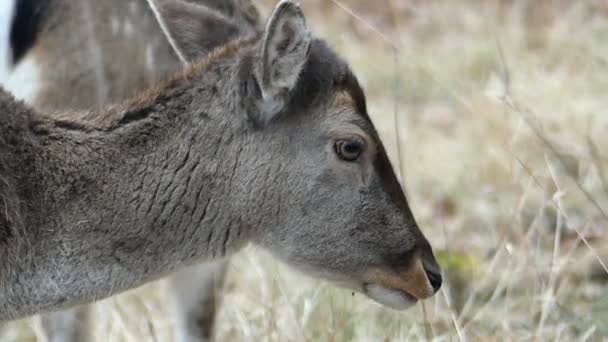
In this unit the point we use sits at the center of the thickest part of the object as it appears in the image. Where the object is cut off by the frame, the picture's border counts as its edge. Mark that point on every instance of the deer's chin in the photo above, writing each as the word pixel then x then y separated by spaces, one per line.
pixel 392 298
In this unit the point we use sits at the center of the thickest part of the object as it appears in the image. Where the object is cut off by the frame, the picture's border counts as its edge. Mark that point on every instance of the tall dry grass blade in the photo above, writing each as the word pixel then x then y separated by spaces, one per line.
pixel 582 237
pixel 459 331
pixel 595 154
pixel 427 331
pixel 580 234
pixel 548 299
pixel 498 290
pixel 588 335
pixel 366 23
pixel 482 282
pixel 527 116
pixel 515 107
pixel 291 309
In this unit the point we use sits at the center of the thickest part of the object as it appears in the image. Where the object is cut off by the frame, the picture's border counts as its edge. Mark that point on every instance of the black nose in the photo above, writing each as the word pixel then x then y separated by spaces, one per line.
pixel 434 277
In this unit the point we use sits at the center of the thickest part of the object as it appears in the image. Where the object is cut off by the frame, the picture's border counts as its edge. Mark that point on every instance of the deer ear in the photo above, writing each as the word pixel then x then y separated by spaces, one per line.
pixel 285 46
pixel 193 29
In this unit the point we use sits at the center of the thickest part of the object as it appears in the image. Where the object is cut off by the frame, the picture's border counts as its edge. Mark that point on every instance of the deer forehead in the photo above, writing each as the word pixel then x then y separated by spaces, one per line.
pixel 343 107
pixel 343 100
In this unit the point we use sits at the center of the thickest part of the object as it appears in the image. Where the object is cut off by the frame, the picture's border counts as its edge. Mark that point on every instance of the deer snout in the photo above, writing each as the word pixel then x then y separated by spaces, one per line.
pixel 433 273
pixel 416 282
pixel 421 279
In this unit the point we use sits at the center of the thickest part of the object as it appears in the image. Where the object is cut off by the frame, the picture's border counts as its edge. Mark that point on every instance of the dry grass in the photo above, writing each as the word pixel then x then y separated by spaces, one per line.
pixel 502 120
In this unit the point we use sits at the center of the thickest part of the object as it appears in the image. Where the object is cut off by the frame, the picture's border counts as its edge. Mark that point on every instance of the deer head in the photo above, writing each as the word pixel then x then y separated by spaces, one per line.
pixel 337 209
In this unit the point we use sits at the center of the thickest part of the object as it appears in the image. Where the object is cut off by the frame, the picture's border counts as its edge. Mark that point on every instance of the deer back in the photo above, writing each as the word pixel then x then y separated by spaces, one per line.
pixel 84 54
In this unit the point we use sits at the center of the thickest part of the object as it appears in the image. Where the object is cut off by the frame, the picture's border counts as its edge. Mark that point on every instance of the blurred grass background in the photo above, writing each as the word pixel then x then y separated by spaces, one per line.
pixel 501 110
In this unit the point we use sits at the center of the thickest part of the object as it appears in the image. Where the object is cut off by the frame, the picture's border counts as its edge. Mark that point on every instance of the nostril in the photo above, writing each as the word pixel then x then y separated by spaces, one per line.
pixel 435 279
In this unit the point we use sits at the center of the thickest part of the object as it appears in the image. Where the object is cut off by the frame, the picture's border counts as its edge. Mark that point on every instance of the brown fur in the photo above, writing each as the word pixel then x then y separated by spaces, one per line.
pixel 413 281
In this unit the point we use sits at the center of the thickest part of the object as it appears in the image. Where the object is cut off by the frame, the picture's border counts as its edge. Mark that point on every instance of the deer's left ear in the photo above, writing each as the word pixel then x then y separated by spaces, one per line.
pixel 193 29
pixel 284 52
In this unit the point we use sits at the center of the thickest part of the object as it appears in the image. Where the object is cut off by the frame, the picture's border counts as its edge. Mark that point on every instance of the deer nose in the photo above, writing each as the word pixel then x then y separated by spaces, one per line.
pixel 434 276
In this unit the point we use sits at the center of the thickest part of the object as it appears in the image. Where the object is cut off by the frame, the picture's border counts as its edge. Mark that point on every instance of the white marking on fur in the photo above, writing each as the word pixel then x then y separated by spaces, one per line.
pixel 115 25
pixel 389 297
pixel 164 28
pixel 6 21
pixel 24 81
pixel 95 53
pixel 150 57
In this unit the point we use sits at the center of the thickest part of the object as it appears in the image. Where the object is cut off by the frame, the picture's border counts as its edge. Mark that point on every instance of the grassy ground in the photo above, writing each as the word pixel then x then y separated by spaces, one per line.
pixel 502 116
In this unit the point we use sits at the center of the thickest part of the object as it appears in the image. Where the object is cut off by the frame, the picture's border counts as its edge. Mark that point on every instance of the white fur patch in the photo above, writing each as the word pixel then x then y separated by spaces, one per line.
pixel 389 297
pixel 24 81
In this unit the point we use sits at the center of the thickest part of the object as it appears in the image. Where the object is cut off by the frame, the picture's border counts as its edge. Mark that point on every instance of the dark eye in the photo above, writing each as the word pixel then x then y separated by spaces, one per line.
pixel 349 150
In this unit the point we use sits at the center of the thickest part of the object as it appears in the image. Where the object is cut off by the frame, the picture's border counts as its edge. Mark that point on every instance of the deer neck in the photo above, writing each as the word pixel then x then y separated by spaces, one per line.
pixel 112 203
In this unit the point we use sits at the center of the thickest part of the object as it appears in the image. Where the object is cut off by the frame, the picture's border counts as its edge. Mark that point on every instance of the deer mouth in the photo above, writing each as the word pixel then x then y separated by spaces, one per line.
pixel 391 297
pixel 399 290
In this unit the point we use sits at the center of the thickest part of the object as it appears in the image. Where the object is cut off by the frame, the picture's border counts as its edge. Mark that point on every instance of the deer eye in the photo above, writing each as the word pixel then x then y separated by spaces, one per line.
pixel 349 149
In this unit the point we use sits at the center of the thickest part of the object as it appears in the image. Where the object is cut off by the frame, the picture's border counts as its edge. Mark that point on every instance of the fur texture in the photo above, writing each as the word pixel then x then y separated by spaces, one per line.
pixel 185 173
pixel 125 39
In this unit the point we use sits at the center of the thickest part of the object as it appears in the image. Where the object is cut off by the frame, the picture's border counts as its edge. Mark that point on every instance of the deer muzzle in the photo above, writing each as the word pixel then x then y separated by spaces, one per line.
pixel 400 290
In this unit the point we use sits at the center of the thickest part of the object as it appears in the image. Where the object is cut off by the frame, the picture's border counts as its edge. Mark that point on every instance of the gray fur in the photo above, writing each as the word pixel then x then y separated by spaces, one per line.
pixel 198 21
pixel 142 51
pixel 284 52
pixel 96 203
pixel 92 52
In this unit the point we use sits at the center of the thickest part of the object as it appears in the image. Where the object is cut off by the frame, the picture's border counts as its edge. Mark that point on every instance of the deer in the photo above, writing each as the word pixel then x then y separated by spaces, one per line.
pixel 266 140
pixel 70 68
pixel 81 49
